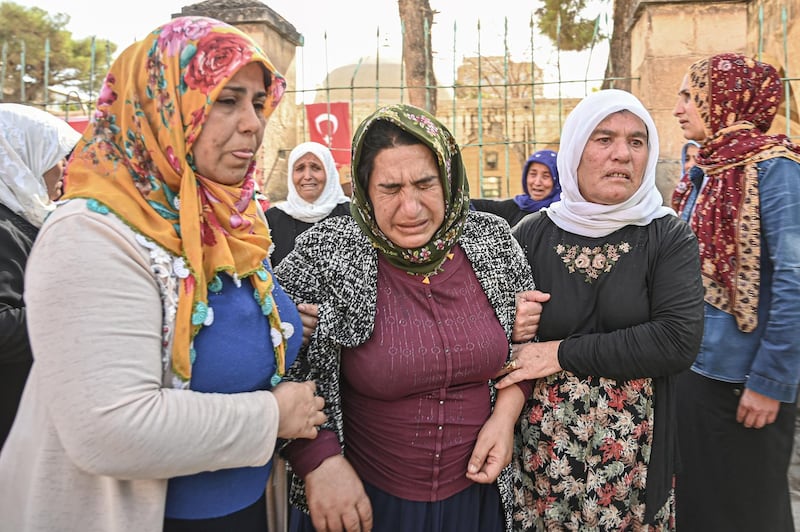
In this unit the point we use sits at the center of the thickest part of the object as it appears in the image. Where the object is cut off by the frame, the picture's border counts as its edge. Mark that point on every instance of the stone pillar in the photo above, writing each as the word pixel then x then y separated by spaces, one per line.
pixel 773 35
pixel 279 40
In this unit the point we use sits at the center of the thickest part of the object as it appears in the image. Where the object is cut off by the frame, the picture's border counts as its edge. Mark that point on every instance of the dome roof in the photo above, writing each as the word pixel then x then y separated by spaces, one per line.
pixel 367 78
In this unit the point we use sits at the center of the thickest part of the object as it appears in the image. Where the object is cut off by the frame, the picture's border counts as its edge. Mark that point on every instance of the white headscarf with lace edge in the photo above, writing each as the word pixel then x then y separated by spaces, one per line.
pixel 332 193
pixel 576 215
pixel 32 141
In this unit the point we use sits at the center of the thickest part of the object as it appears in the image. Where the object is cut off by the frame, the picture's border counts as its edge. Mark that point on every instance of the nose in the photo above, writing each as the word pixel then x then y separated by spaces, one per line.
pixel 621 150
pixel 678 109
pixel 409 203
pixel 250 120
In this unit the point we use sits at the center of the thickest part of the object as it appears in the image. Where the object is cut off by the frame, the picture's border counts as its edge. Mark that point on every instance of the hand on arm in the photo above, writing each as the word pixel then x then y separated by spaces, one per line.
pixel 756 410
pixel 309 315
pixel 495 442
pixel 528 314
pixel 336 498
pixel 531 361
pixel 300 409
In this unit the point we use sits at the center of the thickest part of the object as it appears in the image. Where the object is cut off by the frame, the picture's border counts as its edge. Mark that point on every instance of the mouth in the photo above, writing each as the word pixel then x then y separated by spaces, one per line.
pixel 412 227
pixel 243 153
pixel 619 175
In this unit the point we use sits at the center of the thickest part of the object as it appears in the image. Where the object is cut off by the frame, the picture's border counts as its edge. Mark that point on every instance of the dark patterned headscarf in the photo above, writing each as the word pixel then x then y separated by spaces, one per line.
pixel 434 135
pixel 737 98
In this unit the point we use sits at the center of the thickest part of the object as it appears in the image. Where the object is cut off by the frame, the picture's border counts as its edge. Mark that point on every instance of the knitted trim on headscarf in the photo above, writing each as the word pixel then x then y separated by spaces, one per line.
pixel 135 160
pixel 437 137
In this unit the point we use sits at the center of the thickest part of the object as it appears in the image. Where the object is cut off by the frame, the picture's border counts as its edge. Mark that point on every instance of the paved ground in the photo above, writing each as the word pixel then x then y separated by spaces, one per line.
pixel 794 473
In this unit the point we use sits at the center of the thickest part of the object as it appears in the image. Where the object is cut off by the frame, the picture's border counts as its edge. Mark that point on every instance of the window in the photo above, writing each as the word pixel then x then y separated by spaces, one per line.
pixel 490 186
pixel 491 160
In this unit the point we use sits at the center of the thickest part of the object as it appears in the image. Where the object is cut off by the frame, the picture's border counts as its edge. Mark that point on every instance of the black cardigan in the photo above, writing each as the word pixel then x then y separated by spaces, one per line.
pixel 643 318
pixel 16 239
pixel 285 229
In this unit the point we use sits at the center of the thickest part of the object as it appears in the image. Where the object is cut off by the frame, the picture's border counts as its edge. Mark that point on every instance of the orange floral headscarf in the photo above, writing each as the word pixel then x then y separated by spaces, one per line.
pixel 135 161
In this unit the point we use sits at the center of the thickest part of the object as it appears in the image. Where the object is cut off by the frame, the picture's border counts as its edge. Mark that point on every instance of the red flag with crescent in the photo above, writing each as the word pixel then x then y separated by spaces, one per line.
pixel 329 124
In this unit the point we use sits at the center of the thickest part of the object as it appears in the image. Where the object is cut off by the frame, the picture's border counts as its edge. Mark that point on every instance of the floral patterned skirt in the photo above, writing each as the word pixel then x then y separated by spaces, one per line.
pixel 581 453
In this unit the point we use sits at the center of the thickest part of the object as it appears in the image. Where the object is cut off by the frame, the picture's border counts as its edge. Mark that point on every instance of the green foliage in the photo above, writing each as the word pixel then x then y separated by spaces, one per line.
pixel 576 32
pixel 70 60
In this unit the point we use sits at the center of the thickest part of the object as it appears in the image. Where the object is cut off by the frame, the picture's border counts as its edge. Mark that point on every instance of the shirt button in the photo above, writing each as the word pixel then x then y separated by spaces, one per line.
pixel 441 402
pixel 440 427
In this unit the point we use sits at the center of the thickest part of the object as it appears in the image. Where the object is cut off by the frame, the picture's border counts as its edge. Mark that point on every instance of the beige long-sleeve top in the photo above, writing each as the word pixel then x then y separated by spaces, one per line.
pixel 100 428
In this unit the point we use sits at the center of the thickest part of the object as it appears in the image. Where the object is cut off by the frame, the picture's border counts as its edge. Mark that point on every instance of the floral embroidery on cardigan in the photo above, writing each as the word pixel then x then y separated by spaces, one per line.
pixel 167 271
pixel 591 262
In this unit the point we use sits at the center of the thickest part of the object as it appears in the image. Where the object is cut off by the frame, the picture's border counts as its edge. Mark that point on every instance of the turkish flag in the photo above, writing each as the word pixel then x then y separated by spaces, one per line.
pixel 78 124
pixel 329 124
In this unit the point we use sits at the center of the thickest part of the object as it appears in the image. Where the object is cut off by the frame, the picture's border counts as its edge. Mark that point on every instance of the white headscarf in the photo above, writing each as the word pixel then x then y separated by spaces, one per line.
pixel 32 141
pixel 576 215
pixel 331 196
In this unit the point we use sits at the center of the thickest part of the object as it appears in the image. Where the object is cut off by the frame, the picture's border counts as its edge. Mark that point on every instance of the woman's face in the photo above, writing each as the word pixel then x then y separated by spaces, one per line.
pixel 614 159
pixel 234 128
pixel 407 195
pixel 539 181
pixel 54 180
pixel 687 114
pixel 691 157
pixel 308 177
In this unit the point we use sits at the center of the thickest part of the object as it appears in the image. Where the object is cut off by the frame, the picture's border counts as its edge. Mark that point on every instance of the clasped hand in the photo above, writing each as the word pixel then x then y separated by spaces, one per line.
pixel 300 410
pixel 528 314
pixel 337 501
pixel 533 360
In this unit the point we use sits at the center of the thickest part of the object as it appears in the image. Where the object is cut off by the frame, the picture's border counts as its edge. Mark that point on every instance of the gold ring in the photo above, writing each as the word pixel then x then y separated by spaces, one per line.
pixel 511 365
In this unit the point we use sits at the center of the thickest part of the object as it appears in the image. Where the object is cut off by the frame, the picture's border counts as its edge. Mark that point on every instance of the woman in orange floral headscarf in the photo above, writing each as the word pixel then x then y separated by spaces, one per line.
pixel 160 336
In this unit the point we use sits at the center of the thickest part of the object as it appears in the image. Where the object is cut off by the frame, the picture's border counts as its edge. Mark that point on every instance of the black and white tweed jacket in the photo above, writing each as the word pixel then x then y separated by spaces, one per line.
pixel 334 265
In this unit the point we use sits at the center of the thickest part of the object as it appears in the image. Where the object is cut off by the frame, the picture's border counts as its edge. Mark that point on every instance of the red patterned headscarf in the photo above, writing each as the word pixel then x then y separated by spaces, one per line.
pixel 737 98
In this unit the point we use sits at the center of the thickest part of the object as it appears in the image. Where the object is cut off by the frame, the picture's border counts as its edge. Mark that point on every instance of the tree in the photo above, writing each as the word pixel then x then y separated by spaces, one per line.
pixel 563 24
pixel 417 19
pixel 69 62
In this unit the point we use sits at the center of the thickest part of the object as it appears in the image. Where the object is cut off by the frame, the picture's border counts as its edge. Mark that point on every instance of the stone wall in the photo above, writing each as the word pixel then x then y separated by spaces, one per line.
pixel 667 37
pixel 279 40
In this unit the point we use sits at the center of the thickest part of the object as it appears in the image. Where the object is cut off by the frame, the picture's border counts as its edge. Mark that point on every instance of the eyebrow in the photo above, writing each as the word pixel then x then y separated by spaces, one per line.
pixel 426 179
pixel 416 182
pixel 243 90
pixel 611 133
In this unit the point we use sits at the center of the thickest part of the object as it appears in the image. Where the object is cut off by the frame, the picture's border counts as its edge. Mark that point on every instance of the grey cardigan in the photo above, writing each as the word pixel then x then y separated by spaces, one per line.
pixel 334 265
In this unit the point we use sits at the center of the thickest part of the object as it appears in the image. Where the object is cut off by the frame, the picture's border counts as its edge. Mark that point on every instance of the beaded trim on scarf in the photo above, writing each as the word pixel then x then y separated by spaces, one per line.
pixel 439 269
